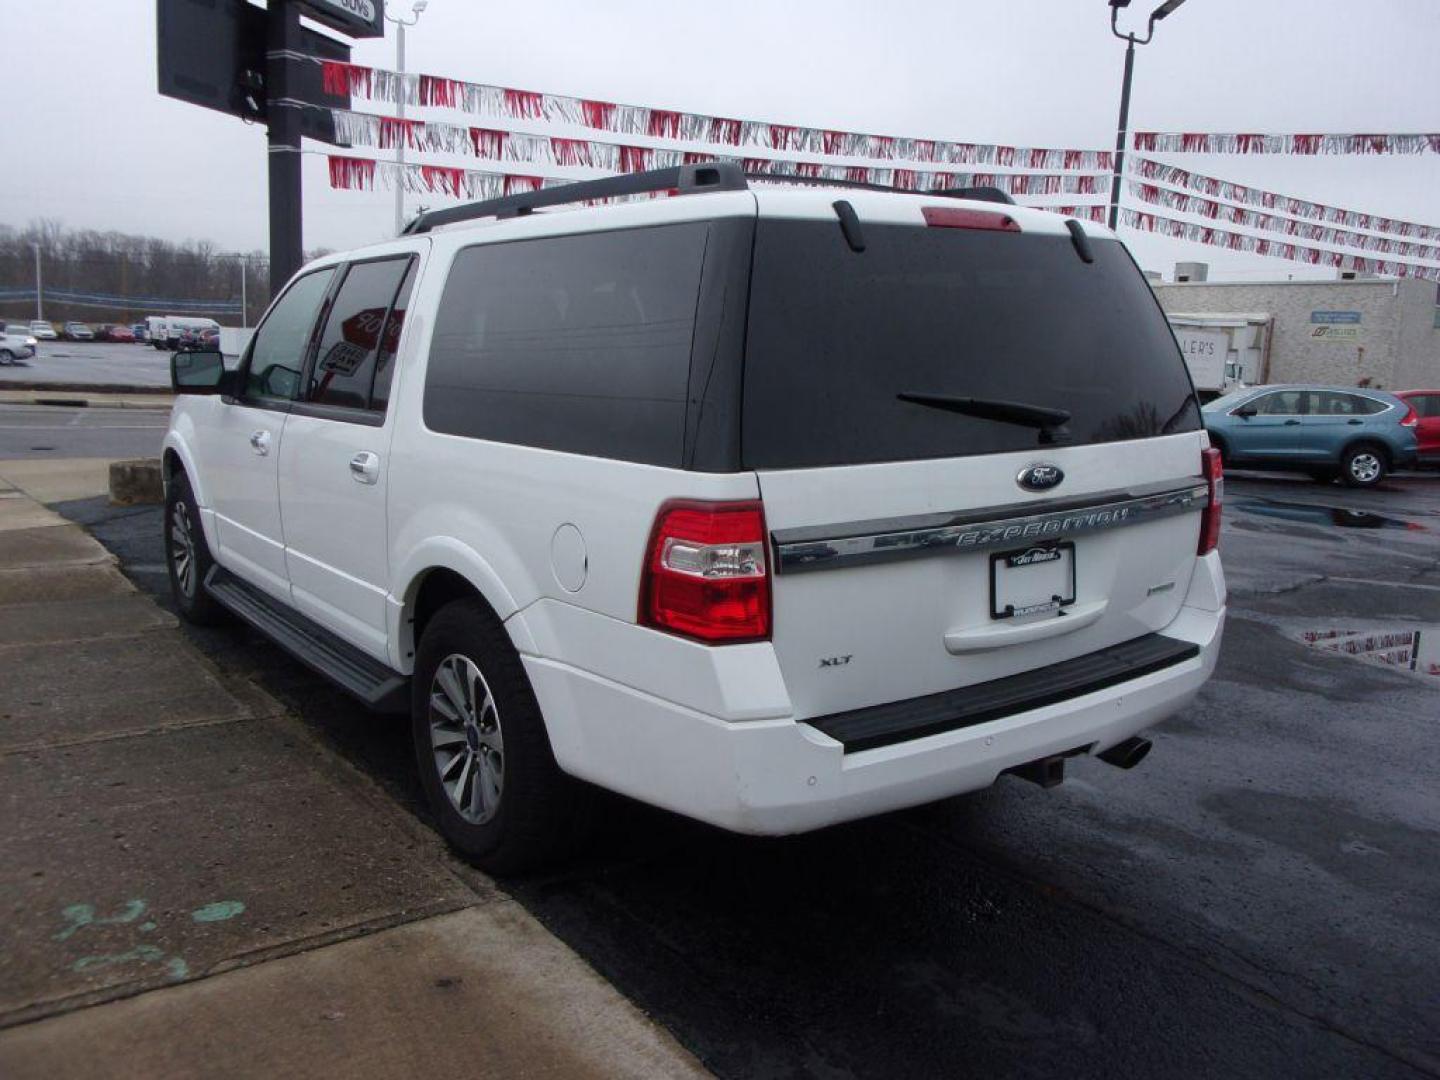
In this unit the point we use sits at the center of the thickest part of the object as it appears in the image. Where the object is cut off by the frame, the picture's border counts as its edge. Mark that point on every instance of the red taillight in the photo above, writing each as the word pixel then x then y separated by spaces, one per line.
pixel 957 217
pixel 706 574
pixel 1214 474
pixel 1411 417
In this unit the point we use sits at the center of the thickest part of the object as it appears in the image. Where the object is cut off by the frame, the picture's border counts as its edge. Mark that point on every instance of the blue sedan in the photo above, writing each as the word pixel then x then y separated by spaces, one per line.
pixel 1326 431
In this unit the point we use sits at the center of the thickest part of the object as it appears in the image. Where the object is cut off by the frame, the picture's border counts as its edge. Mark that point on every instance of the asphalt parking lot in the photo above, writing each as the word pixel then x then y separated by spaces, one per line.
pixel 90 363
pixel 1259 898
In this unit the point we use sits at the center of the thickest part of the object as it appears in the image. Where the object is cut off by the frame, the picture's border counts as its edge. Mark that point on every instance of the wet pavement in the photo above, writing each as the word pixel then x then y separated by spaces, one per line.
pixel 1261 897
pixel 90 363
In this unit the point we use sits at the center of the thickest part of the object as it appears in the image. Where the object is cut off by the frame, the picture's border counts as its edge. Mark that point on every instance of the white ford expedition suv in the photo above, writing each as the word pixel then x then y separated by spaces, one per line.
pixel 773 507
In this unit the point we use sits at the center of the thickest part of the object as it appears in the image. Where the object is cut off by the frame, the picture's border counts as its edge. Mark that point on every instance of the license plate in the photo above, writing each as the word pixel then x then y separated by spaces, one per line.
pixel 1033 580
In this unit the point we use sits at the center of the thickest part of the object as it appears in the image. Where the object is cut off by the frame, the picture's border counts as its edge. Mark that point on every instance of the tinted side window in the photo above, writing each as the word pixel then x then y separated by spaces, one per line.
pixel 1365 406
pixel 345 363
pixel 1281 403
pixel 1427 405
pixel 390 342
pixel 576 343
pixel 278 351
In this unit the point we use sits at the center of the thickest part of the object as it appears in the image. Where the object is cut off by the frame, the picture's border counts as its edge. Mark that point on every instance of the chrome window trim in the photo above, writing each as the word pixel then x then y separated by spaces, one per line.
pixel 865 543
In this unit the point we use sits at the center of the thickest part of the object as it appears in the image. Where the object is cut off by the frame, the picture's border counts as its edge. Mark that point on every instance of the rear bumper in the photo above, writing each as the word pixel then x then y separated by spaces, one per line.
pixel 776 775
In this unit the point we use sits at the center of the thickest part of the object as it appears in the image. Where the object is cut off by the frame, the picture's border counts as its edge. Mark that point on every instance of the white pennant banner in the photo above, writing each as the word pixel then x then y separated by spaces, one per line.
pixel 375 84
pixel 1305 230
pixel 387 132
pixel 1200 142
pixel 1150 169
pixel 1280 249
pixel 363 174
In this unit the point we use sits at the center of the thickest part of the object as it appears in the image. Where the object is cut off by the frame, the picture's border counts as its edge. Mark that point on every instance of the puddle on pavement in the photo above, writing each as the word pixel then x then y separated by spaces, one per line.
pixel 1313 514
pixel 1414 649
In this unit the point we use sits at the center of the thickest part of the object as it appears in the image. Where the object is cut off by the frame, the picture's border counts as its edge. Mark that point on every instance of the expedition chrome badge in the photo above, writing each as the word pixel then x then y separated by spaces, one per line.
pixel 1042 476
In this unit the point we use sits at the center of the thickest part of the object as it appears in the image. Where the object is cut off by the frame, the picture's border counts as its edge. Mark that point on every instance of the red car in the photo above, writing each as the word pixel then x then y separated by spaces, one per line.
pixel 115 333
pixel 1426 404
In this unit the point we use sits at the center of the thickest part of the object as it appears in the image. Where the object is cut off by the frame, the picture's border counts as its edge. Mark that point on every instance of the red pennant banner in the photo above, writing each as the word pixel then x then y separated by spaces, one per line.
pixel 1149 169
pixel 375 84
pixel 1305 230
pixel 1196 142
pixel 1280 249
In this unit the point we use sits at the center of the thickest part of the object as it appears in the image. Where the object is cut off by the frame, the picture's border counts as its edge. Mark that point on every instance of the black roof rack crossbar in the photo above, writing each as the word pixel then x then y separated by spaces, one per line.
pixel 982 194
pixel 686 179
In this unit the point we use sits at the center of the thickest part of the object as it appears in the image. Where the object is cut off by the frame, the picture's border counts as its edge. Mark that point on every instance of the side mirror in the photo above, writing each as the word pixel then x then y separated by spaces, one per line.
pixel 1246 411
pixel 200 373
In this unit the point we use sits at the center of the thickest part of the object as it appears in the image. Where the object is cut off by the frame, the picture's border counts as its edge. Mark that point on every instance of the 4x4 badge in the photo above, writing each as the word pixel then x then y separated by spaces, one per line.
pixel 1042 476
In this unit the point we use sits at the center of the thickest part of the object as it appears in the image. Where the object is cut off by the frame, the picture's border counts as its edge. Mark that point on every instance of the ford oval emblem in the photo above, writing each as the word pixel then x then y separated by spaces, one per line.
pixel 1041 476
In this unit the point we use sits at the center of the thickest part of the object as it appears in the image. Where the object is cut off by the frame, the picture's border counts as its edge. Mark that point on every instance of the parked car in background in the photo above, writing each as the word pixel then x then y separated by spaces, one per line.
pixel 1326 431
pixel 168 332
pixel 43 330
pixel 115 332
pixel 77 331
pixel 1426 404
pixel 140 331
pixel 16 343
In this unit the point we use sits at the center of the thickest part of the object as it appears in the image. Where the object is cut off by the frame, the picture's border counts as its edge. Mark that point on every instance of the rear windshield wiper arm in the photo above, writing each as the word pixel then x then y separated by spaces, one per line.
pixel 1049 421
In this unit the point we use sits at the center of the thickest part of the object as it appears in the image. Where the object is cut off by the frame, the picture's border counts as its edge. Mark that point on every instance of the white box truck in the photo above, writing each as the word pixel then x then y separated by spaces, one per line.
pixel 1206 352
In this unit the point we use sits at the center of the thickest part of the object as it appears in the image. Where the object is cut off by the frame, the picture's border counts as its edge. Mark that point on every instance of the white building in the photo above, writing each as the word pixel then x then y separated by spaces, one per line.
pixel 1353 331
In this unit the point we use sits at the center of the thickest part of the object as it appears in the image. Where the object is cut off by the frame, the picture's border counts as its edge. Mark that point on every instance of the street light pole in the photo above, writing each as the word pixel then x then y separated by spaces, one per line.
pixel 39 286
pixel 1122 130
pixel 401 24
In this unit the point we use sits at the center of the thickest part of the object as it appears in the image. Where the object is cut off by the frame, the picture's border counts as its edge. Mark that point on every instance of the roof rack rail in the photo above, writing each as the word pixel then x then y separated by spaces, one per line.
pixel 684 179
pixel 982 194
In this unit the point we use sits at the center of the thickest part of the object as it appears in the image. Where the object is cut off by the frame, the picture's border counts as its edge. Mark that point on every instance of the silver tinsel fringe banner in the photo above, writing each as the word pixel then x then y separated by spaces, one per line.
pixel 1280 249
pixel 1193 142
pixel 375 84
pixel 365 174
pixel 387 132
pixel 1254 219
pixel 1149 169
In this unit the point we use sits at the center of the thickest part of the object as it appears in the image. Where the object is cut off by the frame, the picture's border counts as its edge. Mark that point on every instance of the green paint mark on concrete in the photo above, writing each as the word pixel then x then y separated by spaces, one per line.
pixel 81 915
pixel 218 911
pixel 144 954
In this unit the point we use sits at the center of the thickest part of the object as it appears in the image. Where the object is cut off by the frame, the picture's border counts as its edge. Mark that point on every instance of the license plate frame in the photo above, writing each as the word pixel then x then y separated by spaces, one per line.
pixel 1004 604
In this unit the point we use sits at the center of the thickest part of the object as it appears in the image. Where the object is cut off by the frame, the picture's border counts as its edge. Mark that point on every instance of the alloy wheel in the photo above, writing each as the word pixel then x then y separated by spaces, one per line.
pixel 466 740
pixel 182 548
pixel 1365 467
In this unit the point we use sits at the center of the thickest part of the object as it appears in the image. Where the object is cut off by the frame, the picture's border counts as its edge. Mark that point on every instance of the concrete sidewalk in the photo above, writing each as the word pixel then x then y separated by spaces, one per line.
pixel 192 884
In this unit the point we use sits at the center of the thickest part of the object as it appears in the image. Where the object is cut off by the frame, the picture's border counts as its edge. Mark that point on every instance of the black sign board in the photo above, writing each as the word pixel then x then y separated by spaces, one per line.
pixel 212 53
pixel 353 18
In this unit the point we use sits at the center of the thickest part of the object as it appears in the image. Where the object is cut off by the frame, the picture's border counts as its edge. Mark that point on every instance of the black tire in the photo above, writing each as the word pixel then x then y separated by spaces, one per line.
pixel 7 357
pixel 1363 465
pixel 538 813
pixel 187 577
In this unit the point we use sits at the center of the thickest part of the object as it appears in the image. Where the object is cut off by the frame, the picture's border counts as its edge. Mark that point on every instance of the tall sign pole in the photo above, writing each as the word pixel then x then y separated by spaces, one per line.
pixel 282 44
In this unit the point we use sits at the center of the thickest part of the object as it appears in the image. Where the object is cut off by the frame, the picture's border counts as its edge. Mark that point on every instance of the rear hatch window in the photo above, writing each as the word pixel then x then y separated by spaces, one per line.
pixel 835 335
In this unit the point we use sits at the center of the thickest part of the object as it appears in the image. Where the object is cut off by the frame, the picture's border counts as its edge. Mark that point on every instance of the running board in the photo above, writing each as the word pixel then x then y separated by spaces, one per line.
pixel 355 672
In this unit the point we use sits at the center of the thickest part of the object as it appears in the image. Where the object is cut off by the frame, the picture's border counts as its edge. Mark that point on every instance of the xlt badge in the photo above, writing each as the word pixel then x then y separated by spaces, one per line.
pixel 836 661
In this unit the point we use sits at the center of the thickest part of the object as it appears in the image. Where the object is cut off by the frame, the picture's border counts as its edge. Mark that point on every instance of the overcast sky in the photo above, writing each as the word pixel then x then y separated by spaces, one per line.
pixel 89 141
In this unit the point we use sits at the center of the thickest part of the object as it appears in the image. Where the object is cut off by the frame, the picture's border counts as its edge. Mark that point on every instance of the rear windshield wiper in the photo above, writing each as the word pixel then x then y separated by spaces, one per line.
pixel 1051 422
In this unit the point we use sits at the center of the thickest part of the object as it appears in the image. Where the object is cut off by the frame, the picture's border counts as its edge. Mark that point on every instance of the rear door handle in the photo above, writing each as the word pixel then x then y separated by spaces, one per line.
pixel 1292 423
pixel 365 467
pixel 1356 423
pixel 260 442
